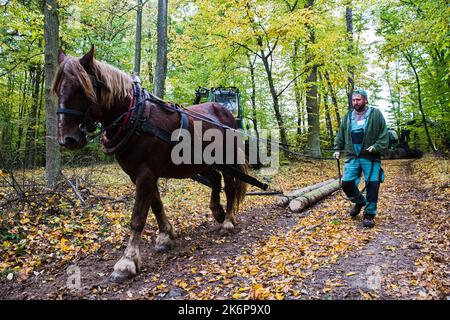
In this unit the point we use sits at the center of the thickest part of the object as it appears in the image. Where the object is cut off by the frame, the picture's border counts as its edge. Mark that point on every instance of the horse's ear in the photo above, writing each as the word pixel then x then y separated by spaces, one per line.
pixel 88 58
pixel 61 56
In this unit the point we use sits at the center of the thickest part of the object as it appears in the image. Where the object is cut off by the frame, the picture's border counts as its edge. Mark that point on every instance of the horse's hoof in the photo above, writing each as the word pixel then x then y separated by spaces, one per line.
pixel 228 225
pixel 227 228
pixel 163 243
pixel 162 248
pixel 119 277
pixel 124 269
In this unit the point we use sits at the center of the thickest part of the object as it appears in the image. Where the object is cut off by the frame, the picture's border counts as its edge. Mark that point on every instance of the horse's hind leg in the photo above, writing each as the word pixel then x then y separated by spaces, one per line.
pixel 230 191
pixel 216 208
pixel 130 262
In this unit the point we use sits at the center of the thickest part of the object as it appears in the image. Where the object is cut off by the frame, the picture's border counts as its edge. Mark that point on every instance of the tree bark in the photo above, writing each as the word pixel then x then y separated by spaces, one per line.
pixel 328 118
pixel 39 156
pixel 35 76
pixel 393 102
pixel 137 52
pixel 51 35
pixel 309 198
pixel 312 110
pixel 251 66
pixel 297 92
pixel 161 54
pixel 22 107
pixel 276 102
pixel 285 199
pixel 351 72
pixel 312 107
pixel 333 99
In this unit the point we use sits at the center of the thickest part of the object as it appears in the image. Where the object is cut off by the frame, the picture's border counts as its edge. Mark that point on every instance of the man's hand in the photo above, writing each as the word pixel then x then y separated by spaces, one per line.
pixel 336 154
pixel 371 149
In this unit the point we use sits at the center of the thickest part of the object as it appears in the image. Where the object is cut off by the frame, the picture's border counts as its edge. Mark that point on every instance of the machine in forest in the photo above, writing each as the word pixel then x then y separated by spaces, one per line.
pixel 227 96
pixel 399 146
pixel 230 98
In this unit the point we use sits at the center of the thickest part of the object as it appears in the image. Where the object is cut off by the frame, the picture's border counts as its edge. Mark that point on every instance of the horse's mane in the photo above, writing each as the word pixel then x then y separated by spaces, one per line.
pixel 117 85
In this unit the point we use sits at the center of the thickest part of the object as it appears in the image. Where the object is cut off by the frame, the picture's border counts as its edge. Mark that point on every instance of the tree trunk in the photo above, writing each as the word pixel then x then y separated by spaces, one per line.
pixel 285 199
pixel 351 72
pixel 393 102
pixel 297 91
pixel 328 117
pixel 22 107
pixel 419 94
pixel 39 156
pixel 161 54
pixel 137 52
pixel 312 107
pixel 304 118
pixel 35 75
pixel 51 35
pixel 253 99
pixel 276 102
pixel 307 199
pixel 333 99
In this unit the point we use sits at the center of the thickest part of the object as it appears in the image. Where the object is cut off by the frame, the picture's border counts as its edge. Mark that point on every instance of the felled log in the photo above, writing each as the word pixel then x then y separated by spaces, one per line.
pixel 309 198
pixel 285 199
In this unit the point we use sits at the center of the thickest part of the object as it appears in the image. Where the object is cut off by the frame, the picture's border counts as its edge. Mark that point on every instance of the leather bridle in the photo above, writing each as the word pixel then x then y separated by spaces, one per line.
pixel 87 124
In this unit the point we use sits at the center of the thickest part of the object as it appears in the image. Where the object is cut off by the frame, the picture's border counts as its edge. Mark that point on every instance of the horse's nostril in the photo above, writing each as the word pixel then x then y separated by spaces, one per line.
pixel 69 141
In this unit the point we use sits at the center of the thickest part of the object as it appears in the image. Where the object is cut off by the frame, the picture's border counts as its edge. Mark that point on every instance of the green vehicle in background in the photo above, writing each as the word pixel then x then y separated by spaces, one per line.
pixel 229 97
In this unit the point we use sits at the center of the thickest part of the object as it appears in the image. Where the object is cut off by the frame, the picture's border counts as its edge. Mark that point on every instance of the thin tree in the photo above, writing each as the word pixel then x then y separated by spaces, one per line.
pixel 351 71
pixel 333 98
pixel 312 107
pixel 297 89
pixel 251 66
pixel 51 35
pixel 137 52
pixel 408 57
pixel 161 52
pixel 35 75
pixel 328 118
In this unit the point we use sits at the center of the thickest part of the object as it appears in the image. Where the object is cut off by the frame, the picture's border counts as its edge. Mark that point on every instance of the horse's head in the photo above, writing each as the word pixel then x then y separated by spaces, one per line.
pixel 76 89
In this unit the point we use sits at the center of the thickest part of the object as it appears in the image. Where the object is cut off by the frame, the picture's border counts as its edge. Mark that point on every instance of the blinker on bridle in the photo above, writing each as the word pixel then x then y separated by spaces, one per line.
pixel 87 125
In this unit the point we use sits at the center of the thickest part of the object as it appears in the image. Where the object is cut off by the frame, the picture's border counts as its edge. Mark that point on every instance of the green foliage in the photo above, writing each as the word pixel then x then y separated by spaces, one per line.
pixel 209 44
pixel 416 39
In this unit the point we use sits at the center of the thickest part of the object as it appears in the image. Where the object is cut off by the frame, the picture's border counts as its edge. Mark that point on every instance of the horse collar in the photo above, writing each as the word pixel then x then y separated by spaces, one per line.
pixel 127 123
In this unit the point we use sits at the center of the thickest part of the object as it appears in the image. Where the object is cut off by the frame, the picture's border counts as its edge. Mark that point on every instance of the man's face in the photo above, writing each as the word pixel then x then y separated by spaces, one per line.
pixel 359 102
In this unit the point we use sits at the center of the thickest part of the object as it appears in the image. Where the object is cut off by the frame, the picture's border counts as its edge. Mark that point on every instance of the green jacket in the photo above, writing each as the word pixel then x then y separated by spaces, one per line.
pixel 376 135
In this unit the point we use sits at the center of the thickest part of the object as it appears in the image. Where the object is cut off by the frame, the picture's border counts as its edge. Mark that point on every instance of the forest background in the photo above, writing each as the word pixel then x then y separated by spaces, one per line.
pixel 295 63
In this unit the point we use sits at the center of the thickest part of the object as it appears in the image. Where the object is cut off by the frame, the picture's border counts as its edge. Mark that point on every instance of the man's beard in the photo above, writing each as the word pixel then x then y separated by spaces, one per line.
pixel 359 108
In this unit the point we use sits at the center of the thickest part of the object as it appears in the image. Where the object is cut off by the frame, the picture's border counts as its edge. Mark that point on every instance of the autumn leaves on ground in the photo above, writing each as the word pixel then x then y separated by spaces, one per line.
pixel 319 253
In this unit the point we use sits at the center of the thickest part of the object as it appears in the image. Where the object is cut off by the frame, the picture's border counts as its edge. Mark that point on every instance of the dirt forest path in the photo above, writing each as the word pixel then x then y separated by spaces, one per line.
pixel 320 253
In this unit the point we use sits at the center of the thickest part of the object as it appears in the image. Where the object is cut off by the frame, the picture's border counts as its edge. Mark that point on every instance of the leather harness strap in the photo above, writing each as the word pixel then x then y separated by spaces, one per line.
pixel 138 121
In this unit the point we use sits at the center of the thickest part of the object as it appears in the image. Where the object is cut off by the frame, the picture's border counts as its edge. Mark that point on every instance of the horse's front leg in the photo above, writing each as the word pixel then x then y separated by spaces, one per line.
pixel 164 241
pixel 130 263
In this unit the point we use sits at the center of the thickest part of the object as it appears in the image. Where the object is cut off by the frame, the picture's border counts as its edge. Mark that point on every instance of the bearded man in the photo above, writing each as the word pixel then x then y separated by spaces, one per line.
pixel 363 137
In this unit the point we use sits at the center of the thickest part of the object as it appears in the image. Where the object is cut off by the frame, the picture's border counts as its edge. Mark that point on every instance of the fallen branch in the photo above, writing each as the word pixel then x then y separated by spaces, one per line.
pixel 74 188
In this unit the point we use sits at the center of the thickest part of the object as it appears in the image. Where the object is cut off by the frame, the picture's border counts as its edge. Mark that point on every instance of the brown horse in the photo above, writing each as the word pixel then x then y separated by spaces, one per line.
pixel 92 92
